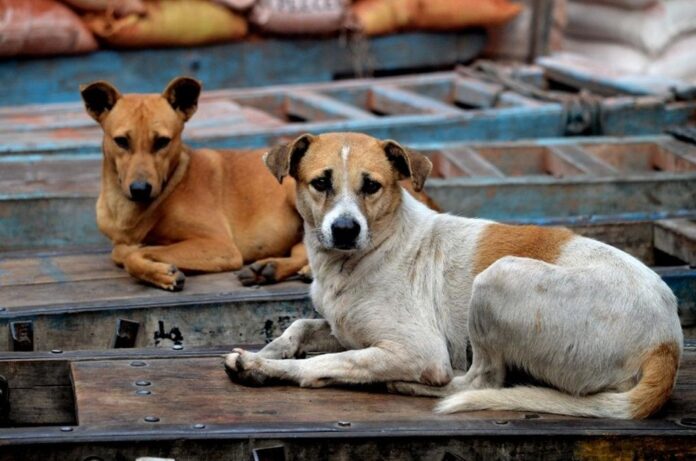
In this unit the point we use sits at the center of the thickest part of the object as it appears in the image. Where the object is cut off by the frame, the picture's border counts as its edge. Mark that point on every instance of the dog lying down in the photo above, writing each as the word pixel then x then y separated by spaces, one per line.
pixel 168 208
pixel 403 289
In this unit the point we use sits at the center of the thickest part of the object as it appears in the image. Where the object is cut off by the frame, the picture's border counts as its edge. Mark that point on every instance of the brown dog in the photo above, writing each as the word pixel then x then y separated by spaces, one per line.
pixel 168 208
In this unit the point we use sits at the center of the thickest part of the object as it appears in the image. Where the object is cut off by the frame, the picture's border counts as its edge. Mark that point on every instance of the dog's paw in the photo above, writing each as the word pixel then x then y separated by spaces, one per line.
pixel 244 367
pixel 306 274
pixel 172 279
pixel 258 273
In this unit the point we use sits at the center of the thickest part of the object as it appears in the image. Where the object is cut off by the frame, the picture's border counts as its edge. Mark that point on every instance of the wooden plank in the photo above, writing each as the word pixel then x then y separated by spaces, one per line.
pixel 470 92
pixel 677 237
pixel 470 163
pixel 253 62
pixel 580 160
pixel 387 99
pixel 317 107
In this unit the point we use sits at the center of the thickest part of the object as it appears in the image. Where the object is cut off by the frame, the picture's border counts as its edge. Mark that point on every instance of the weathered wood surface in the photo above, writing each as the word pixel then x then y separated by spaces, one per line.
pixel 75 299
pixel 201 413
pixel 253 62
pixel 49 200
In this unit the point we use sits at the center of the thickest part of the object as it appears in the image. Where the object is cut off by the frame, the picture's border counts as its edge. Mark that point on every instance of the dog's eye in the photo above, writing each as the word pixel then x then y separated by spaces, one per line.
pixel 321 184
pixel 370 187
pixel 161 142
pixel 122 142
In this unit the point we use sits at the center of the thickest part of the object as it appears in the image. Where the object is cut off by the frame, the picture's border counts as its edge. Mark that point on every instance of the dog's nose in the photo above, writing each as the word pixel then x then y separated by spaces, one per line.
pixel 345 231
pixel 140 191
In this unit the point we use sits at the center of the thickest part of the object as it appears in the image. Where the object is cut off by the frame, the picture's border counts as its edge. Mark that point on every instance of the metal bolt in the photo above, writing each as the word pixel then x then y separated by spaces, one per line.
pixel 143 392
pixel 344 423
pixel 66 429
pixel 56 351
pixel 138 363
pixel 151 419
pixel 177 347
pixel 199 426
pixel 142 383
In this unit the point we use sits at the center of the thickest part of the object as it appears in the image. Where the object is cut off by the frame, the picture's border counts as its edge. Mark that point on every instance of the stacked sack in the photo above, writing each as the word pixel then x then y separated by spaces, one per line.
pixel 50 27
pixel 655 37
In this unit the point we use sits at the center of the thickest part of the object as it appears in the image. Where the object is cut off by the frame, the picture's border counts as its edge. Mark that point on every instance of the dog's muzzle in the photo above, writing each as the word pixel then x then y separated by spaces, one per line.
pixel 344 233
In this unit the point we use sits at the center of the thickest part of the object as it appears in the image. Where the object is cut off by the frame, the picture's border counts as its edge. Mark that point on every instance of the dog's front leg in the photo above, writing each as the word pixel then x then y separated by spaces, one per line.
pixel 162 265
pixel 384 362
pixel 302 337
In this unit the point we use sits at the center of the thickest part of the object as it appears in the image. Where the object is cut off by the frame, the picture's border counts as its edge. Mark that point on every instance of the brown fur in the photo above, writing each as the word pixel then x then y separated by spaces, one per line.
pixel 498 240
pixel 659 373
pixel 210 211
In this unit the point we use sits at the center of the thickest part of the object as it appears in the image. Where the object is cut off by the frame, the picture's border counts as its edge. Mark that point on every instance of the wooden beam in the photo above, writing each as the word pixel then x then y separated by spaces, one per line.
pixel 574 159
pixel 391 100
pixel 313 106
pixel 471 162
pixel 677 237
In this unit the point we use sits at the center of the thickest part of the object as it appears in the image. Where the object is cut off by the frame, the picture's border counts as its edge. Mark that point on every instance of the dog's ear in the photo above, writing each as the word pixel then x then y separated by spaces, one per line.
pixel 408 164
pixel 182 94
pixel 284 159
pixel 99 97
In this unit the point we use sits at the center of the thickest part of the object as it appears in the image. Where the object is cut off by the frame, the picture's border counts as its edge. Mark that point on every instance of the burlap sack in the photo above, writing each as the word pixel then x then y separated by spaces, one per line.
pixel 169 23
pixel 41 28
pixel 376 17
pixel 118 7
pixel 299 16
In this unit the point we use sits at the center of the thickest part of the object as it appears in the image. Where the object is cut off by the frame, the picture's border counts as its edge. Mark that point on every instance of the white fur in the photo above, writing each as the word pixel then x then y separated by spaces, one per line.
pixel 406 305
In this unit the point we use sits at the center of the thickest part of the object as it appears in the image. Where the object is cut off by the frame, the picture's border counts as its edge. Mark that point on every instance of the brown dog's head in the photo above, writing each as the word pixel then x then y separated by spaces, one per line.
pixel 142 132
pixel 347 184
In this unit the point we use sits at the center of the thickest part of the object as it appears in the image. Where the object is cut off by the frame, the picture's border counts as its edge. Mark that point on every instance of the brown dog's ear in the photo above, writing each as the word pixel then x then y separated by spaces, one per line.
pixel 408 164
pixel 182 94
pixel 99 97
pixel 284 159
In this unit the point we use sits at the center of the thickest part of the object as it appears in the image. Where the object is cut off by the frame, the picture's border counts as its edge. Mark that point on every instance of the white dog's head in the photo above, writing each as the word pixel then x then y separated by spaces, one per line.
pixel 347 184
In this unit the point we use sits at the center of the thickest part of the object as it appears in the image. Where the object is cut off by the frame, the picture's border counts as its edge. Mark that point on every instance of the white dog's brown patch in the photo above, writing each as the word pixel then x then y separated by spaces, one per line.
pixel 499 240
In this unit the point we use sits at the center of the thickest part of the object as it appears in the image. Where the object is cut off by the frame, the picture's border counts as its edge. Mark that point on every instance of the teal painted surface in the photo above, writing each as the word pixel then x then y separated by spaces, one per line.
pixel 244 64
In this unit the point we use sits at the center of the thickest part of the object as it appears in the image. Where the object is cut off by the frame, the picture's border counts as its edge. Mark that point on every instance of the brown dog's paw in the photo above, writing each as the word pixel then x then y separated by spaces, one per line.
pixel 258 273
pixel 243 368
pixel 306 274
pixel 172 280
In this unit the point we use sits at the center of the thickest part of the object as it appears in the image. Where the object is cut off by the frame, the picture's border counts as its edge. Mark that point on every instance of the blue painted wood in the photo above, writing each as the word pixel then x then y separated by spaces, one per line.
pixel 254 62
pixel 59 191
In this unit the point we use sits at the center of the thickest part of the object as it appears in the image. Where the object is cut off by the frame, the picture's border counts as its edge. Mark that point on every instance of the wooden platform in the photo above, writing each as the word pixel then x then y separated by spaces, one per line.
pixel 71 300
pixel 186 407
pixel 48 200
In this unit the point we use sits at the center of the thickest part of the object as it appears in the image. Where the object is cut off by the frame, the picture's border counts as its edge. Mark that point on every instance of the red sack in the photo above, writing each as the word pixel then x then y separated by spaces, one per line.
pixel 41 27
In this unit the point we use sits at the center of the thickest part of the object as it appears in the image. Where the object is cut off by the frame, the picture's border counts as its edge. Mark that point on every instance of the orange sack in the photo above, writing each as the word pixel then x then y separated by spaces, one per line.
pixel 170 23
pixel 378 17
pixel 41 28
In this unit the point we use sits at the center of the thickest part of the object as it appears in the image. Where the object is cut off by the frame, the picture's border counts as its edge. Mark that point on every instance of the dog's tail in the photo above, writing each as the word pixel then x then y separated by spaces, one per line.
pixel 658 374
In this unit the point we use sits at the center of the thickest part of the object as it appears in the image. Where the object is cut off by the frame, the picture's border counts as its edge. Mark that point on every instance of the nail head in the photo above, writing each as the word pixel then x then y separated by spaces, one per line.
pixel 56 351
pixel 142 383
pixel 151 419
pixel 66 429
pixel 344 423
pixel 143 392
pixel 199 426
pixel 138 363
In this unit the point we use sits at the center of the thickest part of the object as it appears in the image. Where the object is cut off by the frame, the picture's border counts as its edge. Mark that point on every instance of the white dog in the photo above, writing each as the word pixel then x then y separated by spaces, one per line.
pixel 403 289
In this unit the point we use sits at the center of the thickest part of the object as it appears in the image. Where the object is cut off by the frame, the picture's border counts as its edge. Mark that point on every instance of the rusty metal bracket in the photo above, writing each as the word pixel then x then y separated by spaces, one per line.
pixel 22 336
pixel 173 335
pixel 126 333
pixel 276 453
